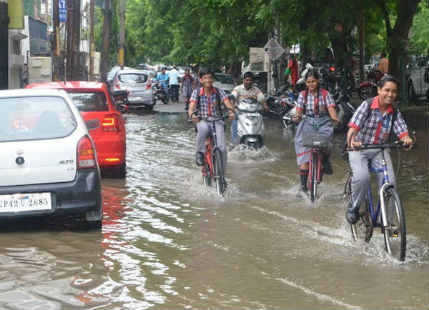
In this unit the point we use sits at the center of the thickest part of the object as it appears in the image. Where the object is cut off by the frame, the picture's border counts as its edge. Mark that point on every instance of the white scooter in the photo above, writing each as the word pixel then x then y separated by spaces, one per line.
pixel 250 123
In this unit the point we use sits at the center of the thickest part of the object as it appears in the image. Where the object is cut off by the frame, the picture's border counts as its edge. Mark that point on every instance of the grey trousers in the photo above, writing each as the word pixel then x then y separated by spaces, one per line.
pixel 204 129
pixel 361 175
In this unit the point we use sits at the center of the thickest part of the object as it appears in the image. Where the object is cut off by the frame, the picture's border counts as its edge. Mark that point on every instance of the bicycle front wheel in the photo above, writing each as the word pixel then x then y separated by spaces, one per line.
pixel 313 185
pixel 395 235
pixel 218 172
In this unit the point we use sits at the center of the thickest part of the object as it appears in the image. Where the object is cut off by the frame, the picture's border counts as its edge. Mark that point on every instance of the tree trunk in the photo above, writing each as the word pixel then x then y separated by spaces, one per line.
pixel 398 37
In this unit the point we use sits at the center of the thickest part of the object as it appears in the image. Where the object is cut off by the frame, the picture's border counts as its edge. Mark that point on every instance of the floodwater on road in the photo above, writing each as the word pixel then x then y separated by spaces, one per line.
pixel 168 242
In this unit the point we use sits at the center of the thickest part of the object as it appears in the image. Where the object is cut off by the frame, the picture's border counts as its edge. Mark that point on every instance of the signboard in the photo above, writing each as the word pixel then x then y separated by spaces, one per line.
pixel 273 49
pixel 16 14
pixel 62 11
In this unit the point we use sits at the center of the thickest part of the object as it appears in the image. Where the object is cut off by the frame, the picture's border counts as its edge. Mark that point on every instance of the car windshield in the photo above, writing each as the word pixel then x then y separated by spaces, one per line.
pixel 132 78
pixel 34 118
pixel 225 79
pixel 89 101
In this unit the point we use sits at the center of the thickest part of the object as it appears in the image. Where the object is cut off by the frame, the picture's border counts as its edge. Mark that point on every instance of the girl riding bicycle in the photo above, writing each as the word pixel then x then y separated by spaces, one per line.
pixel 319 109
pixel 372 123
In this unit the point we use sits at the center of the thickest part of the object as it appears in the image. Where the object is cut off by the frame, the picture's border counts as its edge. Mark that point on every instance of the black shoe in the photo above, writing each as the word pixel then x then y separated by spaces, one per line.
pixel 199 159
pixel 352 215
pixel 326 166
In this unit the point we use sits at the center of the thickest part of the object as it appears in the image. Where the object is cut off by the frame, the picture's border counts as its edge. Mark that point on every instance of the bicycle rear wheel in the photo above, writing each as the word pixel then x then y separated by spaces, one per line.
pixel 218 172
pixel 395 235
pixel 313 186
pixel 363 228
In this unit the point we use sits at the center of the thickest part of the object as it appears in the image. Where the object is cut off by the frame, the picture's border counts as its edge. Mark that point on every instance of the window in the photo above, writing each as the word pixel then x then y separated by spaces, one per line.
pixel 132 78
pixel 89 101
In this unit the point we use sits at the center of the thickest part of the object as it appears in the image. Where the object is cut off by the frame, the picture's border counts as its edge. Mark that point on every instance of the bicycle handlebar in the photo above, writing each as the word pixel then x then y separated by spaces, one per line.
pixel 396 144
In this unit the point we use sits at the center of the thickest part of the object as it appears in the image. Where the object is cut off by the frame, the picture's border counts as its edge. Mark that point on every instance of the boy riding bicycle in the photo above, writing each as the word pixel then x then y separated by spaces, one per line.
pixel 372 123
pixel 207 100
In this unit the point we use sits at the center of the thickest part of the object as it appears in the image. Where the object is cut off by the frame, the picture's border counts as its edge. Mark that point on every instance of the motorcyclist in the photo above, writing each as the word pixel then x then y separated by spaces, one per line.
pixel 319 108
pixel 208 99
pixel 246 90
pixel 163 79
pixel 372 123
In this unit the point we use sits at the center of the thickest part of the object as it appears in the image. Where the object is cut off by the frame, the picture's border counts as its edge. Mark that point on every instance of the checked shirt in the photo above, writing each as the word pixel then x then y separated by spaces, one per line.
pixel 316 106
pixel 375 128
pixel 208 102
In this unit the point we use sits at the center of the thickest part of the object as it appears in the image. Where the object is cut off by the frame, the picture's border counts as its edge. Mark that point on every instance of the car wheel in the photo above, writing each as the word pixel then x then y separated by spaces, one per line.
pixel 119 171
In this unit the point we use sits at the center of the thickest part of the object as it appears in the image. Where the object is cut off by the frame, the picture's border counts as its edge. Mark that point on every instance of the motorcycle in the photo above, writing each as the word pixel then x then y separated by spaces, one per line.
pixel 344 108
pixel 368 88
pixel 120 98
pixel 283 107
pixel 159 93
pixel 250 123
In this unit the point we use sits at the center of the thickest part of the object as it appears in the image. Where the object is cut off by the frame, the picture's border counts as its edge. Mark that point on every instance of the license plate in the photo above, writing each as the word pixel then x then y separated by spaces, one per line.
pixel 25 202
pixel 137 98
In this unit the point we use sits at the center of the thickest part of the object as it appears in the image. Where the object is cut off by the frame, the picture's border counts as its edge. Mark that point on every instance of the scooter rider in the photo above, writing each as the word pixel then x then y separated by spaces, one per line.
pixel 246 90
pixel 209 100
pixel 163 79
pixel 319 108
pixel 372 123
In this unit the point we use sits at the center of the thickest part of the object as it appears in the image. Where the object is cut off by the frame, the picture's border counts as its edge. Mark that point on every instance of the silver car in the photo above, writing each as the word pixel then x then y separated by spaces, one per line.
pixel 138 85
pixel 224 81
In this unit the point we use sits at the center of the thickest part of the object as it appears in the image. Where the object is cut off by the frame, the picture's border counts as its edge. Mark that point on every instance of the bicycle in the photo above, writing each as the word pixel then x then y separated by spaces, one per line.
pixel 388 215
pixel 212 168
pixel 317 144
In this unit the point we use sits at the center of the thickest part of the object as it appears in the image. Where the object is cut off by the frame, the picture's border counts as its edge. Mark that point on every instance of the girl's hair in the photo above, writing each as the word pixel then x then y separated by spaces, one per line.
pixel 388 78
pixel 313 73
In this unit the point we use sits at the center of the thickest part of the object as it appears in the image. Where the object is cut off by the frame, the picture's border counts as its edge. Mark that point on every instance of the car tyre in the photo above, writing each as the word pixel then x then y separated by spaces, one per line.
pixel 119 171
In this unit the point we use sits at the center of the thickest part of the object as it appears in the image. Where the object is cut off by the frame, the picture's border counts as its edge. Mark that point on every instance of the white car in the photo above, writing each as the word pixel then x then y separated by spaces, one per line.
pixel 224 81
pixel 48 164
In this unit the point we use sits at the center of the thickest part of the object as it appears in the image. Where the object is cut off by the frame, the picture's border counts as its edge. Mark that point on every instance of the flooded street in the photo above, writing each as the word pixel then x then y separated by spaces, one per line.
pixel 168 242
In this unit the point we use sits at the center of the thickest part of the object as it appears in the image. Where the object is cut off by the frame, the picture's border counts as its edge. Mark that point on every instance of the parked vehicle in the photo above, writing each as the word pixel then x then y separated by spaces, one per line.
pixel 250 123
pixel 139 86
pixel 224 81
pixel 48 160
pixel 104 122
pixel 368 89
pixel 344 108
pixel 417 87
pixel 283 107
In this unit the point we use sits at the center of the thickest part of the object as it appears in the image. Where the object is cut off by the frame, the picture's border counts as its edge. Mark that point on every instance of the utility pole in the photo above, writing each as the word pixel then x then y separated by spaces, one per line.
pixel 4 47
pixel 106 39
pixel 91 40
pixel 121 54
pixel 73 66
pixel 56 41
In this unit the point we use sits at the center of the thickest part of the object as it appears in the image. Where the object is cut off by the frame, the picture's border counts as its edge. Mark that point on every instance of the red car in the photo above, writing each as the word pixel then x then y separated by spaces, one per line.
pixel 105 124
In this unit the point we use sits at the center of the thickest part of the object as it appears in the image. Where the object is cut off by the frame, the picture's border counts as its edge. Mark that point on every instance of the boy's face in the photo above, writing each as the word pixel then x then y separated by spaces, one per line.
pixel 207 80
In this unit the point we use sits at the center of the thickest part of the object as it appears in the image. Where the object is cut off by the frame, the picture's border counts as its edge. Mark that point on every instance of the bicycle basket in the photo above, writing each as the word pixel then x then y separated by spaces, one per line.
pixel 313 139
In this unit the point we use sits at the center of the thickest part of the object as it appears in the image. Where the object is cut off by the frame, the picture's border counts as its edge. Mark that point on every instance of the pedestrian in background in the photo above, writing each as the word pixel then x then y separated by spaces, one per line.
pixel 187 87
pixel 383 64
pixel 173 76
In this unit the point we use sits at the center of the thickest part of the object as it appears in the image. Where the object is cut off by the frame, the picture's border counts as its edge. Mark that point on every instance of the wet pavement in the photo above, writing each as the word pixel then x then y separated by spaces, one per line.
pixel 168 242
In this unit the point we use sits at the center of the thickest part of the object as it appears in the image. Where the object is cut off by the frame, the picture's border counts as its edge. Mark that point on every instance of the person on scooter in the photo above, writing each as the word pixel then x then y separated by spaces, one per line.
pixel 372 123
pixel 208 100
pixel 163 79
pixel 318 107
pixel 246 90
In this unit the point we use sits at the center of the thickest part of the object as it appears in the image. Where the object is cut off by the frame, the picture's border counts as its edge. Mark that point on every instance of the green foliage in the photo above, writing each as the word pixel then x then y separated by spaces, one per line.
pixel 419 41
